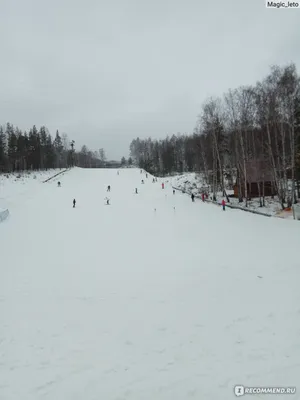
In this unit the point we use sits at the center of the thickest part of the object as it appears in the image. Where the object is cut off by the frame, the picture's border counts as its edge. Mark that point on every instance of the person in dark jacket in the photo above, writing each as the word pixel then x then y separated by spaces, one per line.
pixel 74 203
pixel 108 188
pixel 173 191
pixel 193 197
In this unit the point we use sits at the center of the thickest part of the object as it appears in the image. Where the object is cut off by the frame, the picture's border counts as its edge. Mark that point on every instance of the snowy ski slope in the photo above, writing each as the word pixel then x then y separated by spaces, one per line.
pixel 122 302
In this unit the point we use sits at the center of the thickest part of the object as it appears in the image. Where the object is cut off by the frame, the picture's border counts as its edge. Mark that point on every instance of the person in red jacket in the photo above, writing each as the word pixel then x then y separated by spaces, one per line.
pixel 223 204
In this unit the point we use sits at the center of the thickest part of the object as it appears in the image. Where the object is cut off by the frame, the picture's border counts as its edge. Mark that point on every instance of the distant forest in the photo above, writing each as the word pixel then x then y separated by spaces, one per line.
pixel 251 134
pixel 35 150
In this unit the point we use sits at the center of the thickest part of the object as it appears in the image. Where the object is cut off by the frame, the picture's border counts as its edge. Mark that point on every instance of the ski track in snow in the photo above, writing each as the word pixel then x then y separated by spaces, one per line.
pixel 128 303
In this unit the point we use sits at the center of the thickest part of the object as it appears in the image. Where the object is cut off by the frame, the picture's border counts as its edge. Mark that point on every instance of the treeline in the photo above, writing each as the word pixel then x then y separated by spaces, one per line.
pixel 249 135
pixel 36 149
pixel 86 158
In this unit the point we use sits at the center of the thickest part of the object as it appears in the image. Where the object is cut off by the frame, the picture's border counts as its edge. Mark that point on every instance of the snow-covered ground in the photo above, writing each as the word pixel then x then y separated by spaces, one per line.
pixel 194 183
pixel 15 187
pixel 125 302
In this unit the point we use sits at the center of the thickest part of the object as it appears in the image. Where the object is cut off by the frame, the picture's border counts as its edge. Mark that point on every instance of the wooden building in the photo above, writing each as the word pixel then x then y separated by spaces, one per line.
pixel 260 180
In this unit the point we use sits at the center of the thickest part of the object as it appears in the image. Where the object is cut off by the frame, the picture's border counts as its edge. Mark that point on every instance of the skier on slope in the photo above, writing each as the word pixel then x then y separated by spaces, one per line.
pixel 173 191
pixel 108 188
pixel 193 197
pixel 223 204
pixel 74 203
pixel 136 191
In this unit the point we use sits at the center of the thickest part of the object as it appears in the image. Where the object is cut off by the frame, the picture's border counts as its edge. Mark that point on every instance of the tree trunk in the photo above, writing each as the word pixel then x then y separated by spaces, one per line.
pixel 271 155
pixel 244 167
pixel 263 190
pixel 214 176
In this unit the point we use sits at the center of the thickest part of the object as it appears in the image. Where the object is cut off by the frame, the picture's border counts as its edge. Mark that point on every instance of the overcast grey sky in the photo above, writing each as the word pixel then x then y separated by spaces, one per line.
pixel 108 71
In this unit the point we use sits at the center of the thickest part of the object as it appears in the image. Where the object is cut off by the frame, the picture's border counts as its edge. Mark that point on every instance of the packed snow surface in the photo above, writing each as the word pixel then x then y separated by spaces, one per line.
pixel 122 302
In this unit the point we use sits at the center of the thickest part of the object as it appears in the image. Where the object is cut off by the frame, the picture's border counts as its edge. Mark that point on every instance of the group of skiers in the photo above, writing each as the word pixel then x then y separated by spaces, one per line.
pixel 108 190
pixel 106 198
pixel 223 202
pixel 203 196
pixel 74 201
pixel 143 182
